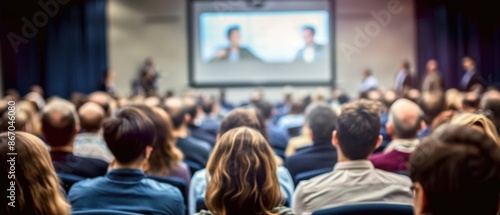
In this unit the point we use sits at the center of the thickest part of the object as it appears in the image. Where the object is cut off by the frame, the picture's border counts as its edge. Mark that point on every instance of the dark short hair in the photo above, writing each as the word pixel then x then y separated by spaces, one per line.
pixel 471 100
pixel 207 106
pixel 59 125
pixel 358 128
pixel 322 121
pixel 231 29
pixel 128 134
pixel 459 170
pixel 265 108
pixel 309 27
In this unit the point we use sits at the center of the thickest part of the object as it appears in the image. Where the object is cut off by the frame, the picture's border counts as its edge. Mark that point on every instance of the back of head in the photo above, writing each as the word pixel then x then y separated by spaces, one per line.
pixel 432 104
pixel 458 169
pixel 405 119
pixel 91 116
pixel 479 122
pixel 128 134
pixel 358 128
pixel 36 188
pixel 265 108
pixel 492 109
pixel 103 99
pixel 238 118
pixel 173 106
pixel 322 121
pixel 59 122
pixel 190 106
pixel 243 175
pixel 470 102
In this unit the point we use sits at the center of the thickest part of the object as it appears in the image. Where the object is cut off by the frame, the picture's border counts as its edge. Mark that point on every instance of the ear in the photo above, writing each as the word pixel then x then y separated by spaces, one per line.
pixel 420 203
pixel 187 118
pixel 379 141
pixel 335 139
pixel 217 137
pixel 389 128
pixel 77 129
pixel 311 134
pixel 147 151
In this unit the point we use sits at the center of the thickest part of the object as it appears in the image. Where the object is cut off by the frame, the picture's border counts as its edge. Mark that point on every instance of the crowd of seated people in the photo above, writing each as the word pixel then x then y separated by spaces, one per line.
pixel 435 152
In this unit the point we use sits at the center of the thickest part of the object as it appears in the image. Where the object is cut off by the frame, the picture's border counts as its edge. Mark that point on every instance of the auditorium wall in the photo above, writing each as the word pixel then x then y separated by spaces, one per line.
pixel 157 28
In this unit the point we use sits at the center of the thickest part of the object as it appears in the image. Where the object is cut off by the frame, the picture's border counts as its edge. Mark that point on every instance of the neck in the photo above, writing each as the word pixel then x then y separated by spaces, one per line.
pixel 133 165
pixel 181 132
pixel 65 148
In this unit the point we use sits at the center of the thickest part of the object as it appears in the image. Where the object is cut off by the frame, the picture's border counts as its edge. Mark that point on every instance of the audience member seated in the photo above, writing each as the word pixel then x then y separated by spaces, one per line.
pixel 432 104
pixel 34 187
pixel 278 137
pixel 354 178
pixel 490 106
pixel 387 99
pixel 194 150
pixel 293 120
pixel 443 118
pixel 210 121
pixel 322 154
pixel 403 126
pixel 456 171
pixel 33 125
pixel 470 102
pixel 89 143
pixel 166 159
pixel 478 122
pixel 299 142
pixel 242 156
pixel 60 125
pixel 126 188
pixel 192 108
pixel 237 118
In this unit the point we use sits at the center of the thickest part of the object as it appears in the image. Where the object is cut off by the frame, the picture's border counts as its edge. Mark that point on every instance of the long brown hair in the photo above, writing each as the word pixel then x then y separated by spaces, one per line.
pixel 37 189
pixel 243 175
pixel 167 156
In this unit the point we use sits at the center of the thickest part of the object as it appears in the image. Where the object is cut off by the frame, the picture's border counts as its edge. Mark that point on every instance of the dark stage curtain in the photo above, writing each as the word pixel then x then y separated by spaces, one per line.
pixel 62 45
pixel 448 30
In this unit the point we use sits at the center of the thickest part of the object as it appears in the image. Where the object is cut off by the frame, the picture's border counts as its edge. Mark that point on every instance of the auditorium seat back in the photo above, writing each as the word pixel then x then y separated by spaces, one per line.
pixel 368 208
pixel 67 180
pixel 176 182
pixel 102 212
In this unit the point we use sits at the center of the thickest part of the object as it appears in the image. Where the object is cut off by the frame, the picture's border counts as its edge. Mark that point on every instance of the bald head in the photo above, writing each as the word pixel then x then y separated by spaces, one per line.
pixel 59 122
pixel 91 116
pixel 404 119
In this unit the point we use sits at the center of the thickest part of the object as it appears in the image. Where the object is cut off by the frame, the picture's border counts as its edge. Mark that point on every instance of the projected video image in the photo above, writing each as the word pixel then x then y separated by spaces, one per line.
pixel 268 37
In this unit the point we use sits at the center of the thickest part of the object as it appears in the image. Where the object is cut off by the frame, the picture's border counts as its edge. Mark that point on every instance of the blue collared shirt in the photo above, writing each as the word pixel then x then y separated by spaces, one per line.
pixel 127 190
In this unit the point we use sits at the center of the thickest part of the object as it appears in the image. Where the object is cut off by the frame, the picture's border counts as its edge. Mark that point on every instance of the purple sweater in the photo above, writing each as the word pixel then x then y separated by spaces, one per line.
pixel 393 161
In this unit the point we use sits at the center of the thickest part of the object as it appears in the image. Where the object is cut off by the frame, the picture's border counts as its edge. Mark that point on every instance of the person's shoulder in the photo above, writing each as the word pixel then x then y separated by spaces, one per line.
pixel 161 189
pixel 203 212
pixel 315 182
pixel 83 185
pixel 393 178
pixel 285 211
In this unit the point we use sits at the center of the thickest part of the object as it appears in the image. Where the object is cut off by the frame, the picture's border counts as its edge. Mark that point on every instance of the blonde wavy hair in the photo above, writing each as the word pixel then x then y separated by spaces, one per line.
pixel 243 175
pixel 36 184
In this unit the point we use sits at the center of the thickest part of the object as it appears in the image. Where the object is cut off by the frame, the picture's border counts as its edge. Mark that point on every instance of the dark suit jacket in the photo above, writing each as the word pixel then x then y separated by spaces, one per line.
pixel 407 83
pixel 473 81
pixel 65 162
pixel 245 55
pixel 317 156
pixel 319 53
